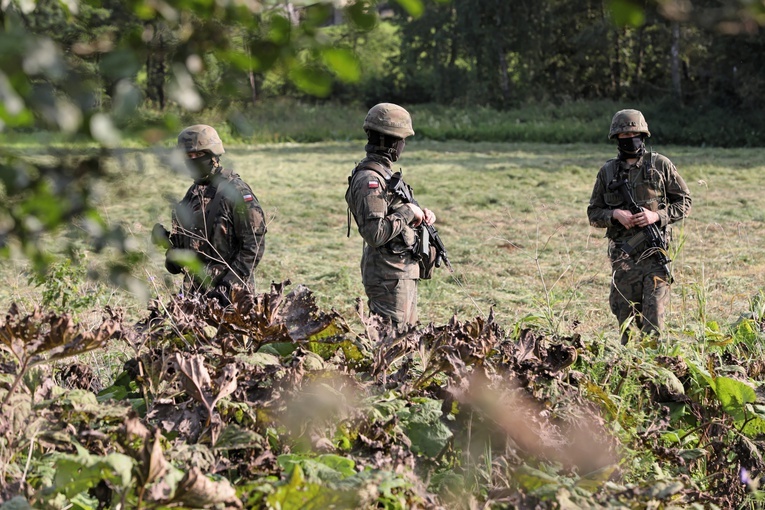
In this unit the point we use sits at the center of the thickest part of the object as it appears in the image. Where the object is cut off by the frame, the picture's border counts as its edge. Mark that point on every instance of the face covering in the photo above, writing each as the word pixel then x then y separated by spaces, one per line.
pixel 630 146
pixel 201 168
pixel 398 148
pixel 385 145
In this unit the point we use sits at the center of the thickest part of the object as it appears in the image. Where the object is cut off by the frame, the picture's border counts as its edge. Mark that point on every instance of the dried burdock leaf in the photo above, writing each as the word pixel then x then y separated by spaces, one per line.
pixel 195 378
pixel 198 491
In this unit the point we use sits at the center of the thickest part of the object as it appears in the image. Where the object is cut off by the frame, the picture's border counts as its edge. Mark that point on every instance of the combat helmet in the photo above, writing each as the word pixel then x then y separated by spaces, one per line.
pixel 626 121
pixel 200 137
pixel 389 119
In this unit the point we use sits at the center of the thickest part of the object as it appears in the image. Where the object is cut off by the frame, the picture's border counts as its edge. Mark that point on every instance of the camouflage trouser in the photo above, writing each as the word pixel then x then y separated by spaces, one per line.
pixel 394 299
pixel 639 288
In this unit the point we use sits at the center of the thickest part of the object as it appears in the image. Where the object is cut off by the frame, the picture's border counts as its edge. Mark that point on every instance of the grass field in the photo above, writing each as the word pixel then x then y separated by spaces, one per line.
pixel 512 216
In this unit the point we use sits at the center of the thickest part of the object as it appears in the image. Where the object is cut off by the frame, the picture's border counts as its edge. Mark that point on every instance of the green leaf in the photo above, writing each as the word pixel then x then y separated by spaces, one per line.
pixel 423 426
pixel 734 395
pixel 701 374
pixel 234 437
pixel 343 465
pixel 343 63
pixel 593 481
pixel 746 331
pixel 298 494
pixel 362 15
pixel 311 80
pixel 693 453
pixel 280 30
pixel 754 427
pixel 78 473
pixel 414 8
pixel 187 259
pixel 531 479
pixel 278 349
pixel 626 13
pixel 261 358
pixel 16 503
pixel 324 468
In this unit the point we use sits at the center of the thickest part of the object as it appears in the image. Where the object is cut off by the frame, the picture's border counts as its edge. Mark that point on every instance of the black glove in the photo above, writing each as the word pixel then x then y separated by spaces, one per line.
pixel 160 236
pixel 222 292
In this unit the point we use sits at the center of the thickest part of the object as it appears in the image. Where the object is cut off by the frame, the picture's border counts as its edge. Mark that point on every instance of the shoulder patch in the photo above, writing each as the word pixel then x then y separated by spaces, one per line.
pixel 248 197
pixel 373 185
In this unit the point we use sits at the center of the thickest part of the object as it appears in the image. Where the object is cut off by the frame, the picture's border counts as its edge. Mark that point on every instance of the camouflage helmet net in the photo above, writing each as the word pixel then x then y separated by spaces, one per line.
pixel 200 137
pixel 389 119
pixel 628 121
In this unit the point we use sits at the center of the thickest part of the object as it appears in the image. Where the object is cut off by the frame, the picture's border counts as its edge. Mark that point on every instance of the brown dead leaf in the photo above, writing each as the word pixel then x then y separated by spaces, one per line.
pixel 198 491
pixel 195 378
pixel 151 465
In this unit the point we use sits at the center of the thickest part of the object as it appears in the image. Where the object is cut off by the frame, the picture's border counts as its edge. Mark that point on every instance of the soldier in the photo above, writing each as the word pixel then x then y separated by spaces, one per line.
pixel 389 268
pixel 219 221
pixel 640 278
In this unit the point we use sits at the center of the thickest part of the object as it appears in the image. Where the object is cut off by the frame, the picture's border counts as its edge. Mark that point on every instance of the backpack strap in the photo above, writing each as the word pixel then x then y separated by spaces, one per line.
pixel 650 163
pixel 223 180
pixel 368 164
pixel 209 214
pixel 610 172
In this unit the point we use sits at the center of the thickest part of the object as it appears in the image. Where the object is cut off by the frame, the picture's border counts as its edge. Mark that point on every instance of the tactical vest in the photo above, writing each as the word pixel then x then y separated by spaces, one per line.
pixel 648 188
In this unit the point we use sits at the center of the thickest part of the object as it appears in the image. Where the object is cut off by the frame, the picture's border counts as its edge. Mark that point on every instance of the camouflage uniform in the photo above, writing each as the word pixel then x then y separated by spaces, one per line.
pixel 640 283
pixel 388 269
pixel 219 220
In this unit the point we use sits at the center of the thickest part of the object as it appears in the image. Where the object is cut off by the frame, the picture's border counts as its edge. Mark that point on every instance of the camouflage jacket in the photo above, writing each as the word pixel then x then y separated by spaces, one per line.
pixel 383 221
pixel 654 183
pixel 222 223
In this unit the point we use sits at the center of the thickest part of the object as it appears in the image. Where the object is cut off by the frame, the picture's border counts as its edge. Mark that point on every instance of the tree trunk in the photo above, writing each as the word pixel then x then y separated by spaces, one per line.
pixel 616 67
pixel 251 76
pixel 155 70
pixel 504 80
pixel 292 13
pixel 675 65
pixel 637 80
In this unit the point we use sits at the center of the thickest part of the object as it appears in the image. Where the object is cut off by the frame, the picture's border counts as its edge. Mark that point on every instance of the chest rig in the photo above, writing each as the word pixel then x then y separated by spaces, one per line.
pixel 646 184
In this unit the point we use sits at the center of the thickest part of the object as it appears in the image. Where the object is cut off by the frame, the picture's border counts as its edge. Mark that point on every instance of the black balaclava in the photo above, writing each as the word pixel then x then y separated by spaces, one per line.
pixel 202 168
pixel 388 146
pixel 632 147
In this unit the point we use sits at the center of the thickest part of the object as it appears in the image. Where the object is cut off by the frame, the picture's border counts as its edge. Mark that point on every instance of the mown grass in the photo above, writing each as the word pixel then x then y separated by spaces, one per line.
pixel 512 216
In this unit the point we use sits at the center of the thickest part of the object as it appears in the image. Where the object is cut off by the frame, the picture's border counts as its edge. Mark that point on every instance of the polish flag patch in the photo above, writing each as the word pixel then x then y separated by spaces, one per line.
pixel 248 197
pixel 374 184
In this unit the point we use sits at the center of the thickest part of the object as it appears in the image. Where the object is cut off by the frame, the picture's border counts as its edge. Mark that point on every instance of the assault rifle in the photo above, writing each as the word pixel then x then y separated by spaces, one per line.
pixel 650 234
pixel 429 232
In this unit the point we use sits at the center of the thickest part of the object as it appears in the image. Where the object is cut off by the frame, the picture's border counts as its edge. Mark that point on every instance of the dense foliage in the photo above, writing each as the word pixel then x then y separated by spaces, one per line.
pixel 272 403
pixel 504 53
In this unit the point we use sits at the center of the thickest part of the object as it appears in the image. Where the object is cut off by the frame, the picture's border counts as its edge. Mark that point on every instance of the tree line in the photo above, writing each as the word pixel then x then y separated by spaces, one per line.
pixel 459 52
pixel 505 53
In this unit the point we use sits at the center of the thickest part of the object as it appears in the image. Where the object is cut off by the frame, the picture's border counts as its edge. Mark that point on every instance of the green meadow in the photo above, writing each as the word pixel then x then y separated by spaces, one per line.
pixel 512 216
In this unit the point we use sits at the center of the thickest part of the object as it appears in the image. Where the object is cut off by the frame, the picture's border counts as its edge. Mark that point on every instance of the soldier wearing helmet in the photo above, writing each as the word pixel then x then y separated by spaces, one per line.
pixel 219 221
pixel 389 266
pixel 640 280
